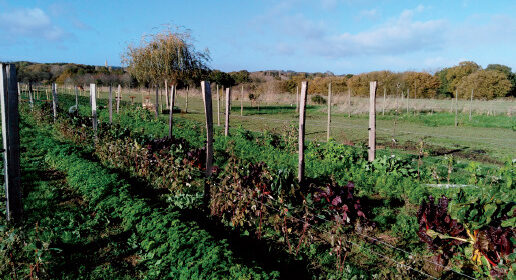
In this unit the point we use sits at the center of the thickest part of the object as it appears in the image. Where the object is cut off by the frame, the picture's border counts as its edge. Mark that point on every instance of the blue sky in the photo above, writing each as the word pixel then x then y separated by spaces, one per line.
pixel 342 36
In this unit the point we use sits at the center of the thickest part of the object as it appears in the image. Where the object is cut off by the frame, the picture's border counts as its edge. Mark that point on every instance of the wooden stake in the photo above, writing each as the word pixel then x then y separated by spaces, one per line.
pixel 76 98
pixel 349 102
pixel 302 107
pixel 329 113
pixel 384 100
pixel 470 104
pixel 171 110
pixel 242 101
pixel 119 94
pixel 372 121
pixel 186 99
pixel 228 111
pixel 297 99
pixel 156 105
pixel 167 103
pixel 218 105
pixel 110 105
pixel 456 107
pixel 93 95
pixel 54 100
pixel 206 97
pixel 11 142
pixel 408 98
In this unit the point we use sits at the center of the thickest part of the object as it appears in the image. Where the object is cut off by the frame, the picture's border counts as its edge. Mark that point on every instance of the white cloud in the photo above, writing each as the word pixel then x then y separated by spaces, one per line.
pixel 31 23
pixel 369 13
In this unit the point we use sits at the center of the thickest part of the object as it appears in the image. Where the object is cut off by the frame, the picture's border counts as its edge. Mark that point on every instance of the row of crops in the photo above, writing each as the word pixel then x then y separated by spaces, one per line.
pixel 349 218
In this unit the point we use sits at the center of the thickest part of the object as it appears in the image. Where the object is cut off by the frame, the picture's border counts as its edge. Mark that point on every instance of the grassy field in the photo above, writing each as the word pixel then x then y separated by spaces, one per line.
pixel 486 138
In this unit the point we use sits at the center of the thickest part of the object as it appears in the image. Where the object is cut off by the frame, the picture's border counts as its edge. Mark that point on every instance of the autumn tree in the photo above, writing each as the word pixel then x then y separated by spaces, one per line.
pixel 165 56
pixel 486 84
pixel 455 74
pixel 421 84
pixel 508 73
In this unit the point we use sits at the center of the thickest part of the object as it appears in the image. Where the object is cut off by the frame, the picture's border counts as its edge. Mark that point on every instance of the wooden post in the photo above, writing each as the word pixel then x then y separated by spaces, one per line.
pixel 54 100
pixel 242 101
pixel 31 100
pixel 372 121
pixel 186 99
pixel 408 98
pixel 119 94
pixel 228 110
pixel 171 110
pixel 302 117
pixel 76 98
pixel 110 104
pixel 329 113
pixel 206 97
pixel 297 99
pixel 167 103
pixel 456 107
pixel 471 104
pixel 349 102
pixel 93 95
pixel 11 142
pixel 218 105
pixel 384 100
pixel 156 105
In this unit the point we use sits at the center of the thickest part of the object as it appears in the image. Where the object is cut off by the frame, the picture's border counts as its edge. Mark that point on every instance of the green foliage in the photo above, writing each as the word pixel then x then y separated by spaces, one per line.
pixel 317 99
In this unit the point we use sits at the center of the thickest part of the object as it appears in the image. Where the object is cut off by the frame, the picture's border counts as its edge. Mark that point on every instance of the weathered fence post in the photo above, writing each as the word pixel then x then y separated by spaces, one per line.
pixel 372 121
pixel 93 95
pixel 110 104
pixel 242 101
pixel 228 111
pixel 186 99
pixel 408 98
pixel 471 104
pixel 54 100
pixel 156 105
pixel 76 98
pixel 31 100
pixel 302 107
pixel 171 110
pixel 456 107
pixel 167 102
pixel 11 142
pixel 206 96
pixel 349 102
pixel 218 106
pixel 384 101
pixel 329 113
pixel 297 99
pixel 119 94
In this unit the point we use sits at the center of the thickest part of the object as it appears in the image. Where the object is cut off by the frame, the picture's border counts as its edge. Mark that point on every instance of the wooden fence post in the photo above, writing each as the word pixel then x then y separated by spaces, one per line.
pixel 93 95
pixel 329 113
pixel 76 90
pixel 456 107
pixel 297 99
pixel 218 106
pixel 186 99
pixel 228 111
pixel 167 100
pixel 11 142
pixel 372 121
pixel 206 96
pixel 471 104
pixel 119 94
pixel 31 100
pixel 384 101
pixel 349 102
pixel 54 100
pixel 156 105
pixel 110 104
pixel 408 98
pixel 302 107
pixel 171 110
pixel 242 101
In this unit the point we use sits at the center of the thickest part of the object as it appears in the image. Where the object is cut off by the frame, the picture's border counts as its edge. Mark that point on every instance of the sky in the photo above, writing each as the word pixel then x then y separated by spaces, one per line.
pixel 341 36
